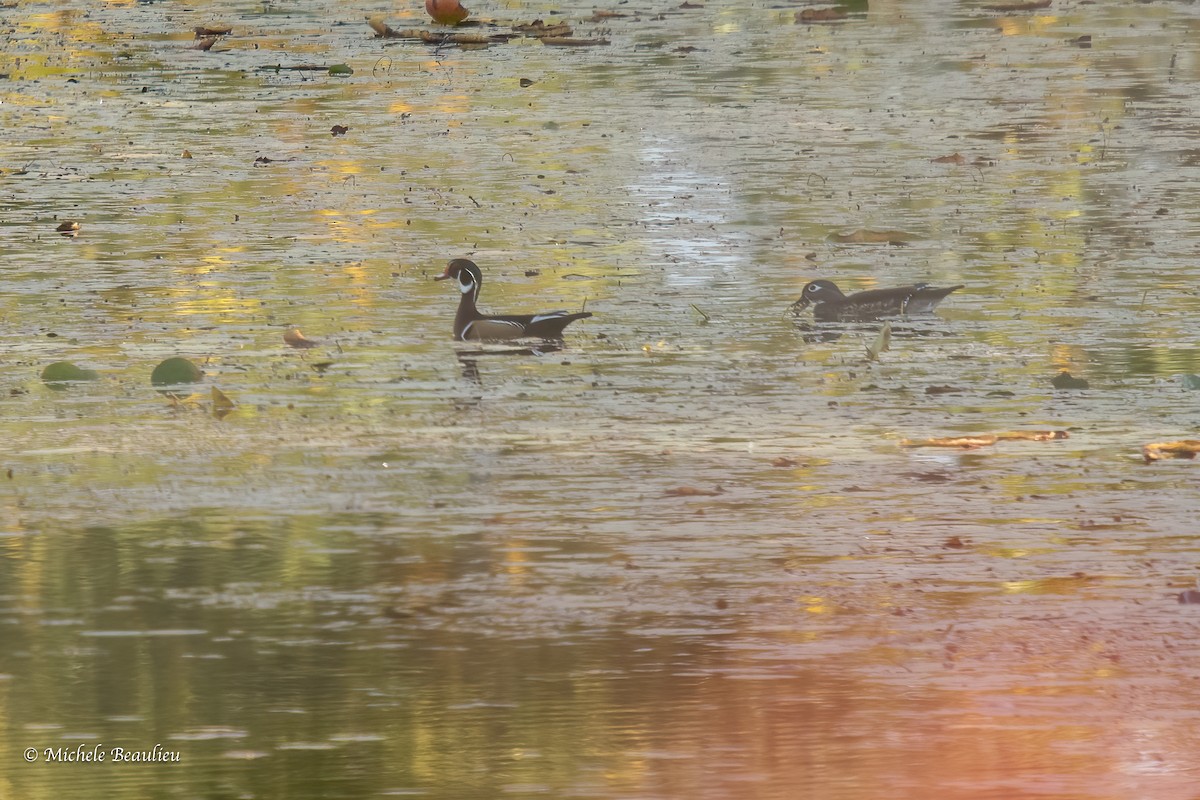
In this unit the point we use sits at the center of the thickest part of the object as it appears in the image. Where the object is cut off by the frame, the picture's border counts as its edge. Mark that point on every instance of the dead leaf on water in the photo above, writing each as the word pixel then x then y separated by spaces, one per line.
pixel 68 228
pixel 206 43
pixel 205 31
pixel 1185 448
pixel 600 16
pixel 692 491
pixel 1009 7
pixel 954 543
pixel 785 462
pixel 963 442
pixel 556 41
pixel 820 15
pixel 295 338
pixel 953 158
pixel 539 29
pixel 985 439
pixel 883 342
pixel 1032 436
pixel 339 130
pixel 943 390
pixel 222 406
pixel 872 237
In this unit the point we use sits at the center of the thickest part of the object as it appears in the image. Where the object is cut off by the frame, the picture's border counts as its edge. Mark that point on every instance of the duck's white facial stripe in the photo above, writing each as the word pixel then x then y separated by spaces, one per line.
pixel 465 284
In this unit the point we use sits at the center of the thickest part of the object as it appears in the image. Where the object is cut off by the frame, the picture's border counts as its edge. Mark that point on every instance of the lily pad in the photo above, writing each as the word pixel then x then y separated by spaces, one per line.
pixel 175 370
pixel 59 373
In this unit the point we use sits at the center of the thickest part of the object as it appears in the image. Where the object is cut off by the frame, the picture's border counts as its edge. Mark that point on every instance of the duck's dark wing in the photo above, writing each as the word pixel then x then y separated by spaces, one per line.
pixel 926 298
pixel 548 325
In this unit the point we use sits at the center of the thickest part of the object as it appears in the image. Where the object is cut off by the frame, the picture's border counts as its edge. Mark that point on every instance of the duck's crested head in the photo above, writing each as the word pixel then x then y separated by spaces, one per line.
pixel 817 292
pixel 465 272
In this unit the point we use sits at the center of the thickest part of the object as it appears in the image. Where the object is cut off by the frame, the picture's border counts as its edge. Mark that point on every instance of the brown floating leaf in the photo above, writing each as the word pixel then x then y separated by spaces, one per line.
pixel 205 44
pixel 68 228
pixel 686 4
pixel 338 130
pixel 1083 42
pixel 1186 597
pixel 295 338
pixel 1065 380
pixel 559 41
pixel 964 442
pixel 1032 436
pixel 539 29
pixel 1186 448
pixel 785 462
pixel 820 15
pixel 186 154
pixel 943 390
pixel 222 406
pixel 1006 7
pixel 204 31
pixel 381 28
pixel 692 491
pixel 600 16
pixel 872 237
pixel 953 542
pixel 526 83
pixel 985 439
pixel 953 158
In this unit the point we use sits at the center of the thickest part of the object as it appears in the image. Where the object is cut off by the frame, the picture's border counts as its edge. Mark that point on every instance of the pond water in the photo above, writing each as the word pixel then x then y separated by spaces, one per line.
pixel 682 556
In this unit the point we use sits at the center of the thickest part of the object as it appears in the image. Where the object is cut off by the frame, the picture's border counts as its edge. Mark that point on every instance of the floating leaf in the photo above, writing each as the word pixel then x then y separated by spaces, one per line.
pixel 1186 448
pixel 883 342
pixel 1035 5
pixel 1189 596
pixel 1064 380
pixel 944 389
pixel 692 491
pixel 820 15
pixel 204 31
pixel 340 69
pixel 964 442
pixel 785 462
pixel 1032 436
pixel 68 228
pixel 1190 381
pixel 62 372
pixel 174 371
pixel 872 237
pixel 953 158
pixel 205 43
pixel 339 130
pixel 295 338
pixel 954 543
pixel 222 406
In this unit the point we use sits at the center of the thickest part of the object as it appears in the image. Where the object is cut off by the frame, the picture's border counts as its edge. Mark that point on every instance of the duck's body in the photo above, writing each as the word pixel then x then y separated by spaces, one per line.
pixel 470 324
pixel 831 305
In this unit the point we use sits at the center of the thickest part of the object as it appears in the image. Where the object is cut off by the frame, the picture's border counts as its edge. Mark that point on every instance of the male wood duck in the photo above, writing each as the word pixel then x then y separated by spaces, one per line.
pixel 830 305
pixel 470 324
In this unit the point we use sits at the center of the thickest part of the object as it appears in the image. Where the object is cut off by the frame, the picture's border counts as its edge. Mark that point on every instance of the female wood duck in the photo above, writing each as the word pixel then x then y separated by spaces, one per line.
pixel 830 305
pixel 470 324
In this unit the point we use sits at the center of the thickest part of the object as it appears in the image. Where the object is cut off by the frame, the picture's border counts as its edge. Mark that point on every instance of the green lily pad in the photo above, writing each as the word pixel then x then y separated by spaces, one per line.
pixel 175 370
pixel 341 69
pixel 1190 381
pixel 59 373
pixel 1064 380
